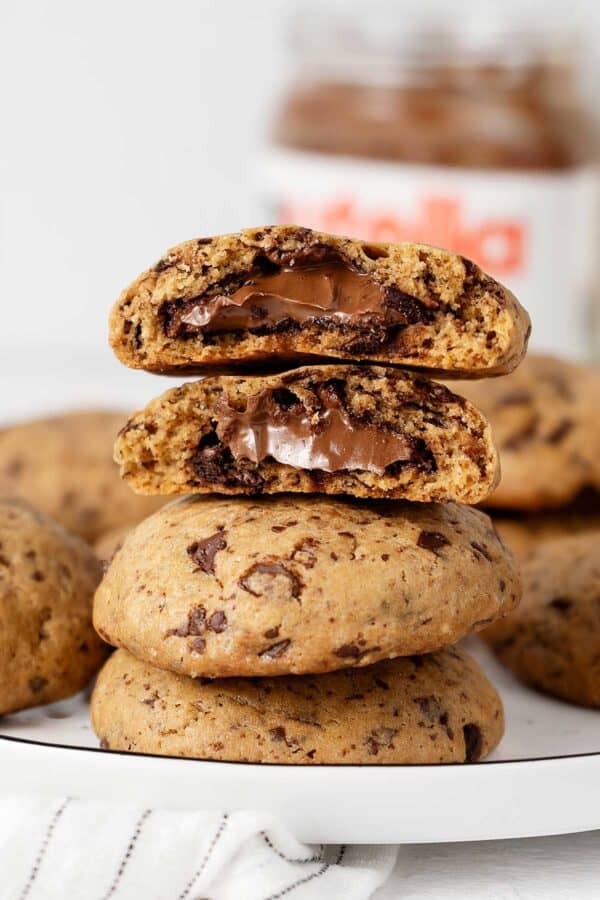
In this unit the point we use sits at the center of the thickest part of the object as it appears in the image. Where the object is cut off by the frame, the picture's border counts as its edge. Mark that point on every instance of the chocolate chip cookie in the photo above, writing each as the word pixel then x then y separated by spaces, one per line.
pixel 424 709
pixel 284 292
pixel 48 647
pixel 552 641
pixel 291 585
pixel 365 431
pixel 63 465
pixel 545 420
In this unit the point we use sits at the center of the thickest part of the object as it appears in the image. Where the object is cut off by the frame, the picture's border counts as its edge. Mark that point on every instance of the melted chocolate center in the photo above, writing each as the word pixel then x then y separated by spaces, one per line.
pixel 330 440
pixel 311 287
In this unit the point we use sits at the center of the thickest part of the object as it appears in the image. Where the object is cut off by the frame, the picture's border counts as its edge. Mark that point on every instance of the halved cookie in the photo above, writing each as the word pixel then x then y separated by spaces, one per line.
pixel 271 586
pixel 426 709
pixel 365 431
pixel 282 292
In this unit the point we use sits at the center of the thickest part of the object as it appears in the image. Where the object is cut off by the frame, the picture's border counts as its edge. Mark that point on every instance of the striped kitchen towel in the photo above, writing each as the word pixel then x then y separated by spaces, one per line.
pixel 83 851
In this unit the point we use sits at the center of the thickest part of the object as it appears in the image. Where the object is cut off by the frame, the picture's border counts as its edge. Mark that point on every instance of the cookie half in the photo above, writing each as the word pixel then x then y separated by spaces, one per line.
pixel 360 430
pixel 552 641
pixel 64 466
pixel 430 709
pixel 48 647
pixel 545 421
pixel 266 586
pixel 283 292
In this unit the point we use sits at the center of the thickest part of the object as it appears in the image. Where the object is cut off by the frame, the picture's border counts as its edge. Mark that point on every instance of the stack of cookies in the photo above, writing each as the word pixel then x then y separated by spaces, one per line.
pixel 306 611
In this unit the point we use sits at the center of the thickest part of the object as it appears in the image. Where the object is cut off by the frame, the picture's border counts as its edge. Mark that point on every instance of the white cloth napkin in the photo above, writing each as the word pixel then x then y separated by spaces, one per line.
pixel 81 851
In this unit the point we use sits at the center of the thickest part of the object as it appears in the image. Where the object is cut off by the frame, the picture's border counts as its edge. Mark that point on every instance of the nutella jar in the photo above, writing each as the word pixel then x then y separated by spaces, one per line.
pixel 474 140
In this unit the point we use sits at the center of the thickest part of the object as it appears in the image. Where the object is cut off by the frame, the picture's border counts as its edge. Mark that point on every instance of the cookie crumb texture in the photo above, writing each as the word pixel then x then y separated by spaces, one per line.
pixel 430 709
pixel 63 465
pixel 552 641
pixel 48 647
pixel 218 301
pixel 399 435
pixel 218 587
pixel 545 422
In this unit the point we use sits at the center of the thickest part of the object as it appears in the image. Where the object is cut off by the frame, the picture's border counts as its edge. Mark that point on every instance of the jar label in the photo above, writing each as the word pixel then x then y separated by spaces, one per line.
pixel 535 232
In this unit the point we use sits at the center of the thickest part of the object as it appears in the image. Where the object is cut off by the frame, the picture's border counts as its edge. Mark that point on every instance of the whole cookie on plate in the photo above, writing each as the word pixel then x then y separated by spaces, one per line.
pixel 424 709
pixel 48 647
pixel 220 587
pixel 552 641
pixel 545 422
pixel 282 292
pixel 366 431
pixel 63 465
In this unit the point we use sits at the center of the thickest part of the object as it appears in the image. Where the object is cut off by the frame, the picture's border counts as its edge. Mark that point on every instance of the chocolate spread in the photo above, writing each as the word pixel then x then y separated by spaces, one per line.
pixel 329 440
pixel 303 290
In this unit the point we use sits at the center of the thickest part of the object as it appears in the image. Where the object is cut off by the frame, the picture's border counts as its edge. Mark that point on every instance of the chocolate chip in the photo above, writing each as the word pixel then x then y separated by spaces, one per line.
pixel 430 707
pixel 273 570
pixel 515 398
pixel 217 621
pixel 37 684
pixel 275 650
pixel 286 400
pixel 278 733
pixel 523 435
pixel 272 632
pixel 213 463
pixel 481 549
pixel 196 624
pixel 304 553
pixel 560 432
pixel 473 742
pixel 561 604
pixel 350 651
pixel 372 746
pixel 382 684
pixel 203 552
pixel 197 645
pixel 432 541
pixel 409 310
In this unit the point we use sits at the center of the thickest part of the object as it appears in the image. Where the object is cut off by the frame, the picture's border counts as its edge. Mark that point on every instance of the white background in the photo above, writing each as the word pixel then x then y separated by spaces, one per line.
pixel 128 126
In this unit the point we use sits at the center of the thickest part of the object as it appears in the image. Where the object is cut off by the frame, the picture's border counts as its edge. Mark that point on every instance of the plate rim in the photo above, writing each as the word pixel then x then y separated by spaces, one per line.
pixel 366 765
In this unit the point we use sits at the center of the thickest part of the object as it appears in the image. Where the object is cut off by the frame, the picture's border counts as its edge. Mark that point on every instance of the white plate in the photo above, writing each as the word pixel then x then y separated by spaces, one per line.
pixel 543 779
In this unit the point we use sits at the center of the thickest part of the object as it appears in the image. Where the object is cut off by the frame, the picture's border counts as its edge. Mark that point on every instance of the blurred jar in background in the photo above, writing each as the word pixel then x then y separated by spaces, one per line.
pixel 472 138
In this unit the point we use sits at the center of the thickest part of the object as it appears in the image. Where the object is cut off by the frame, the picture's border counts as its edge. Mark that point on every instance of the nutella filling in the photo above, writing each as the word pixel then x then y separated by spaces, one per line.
pixel 330 440
pixel 307 290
